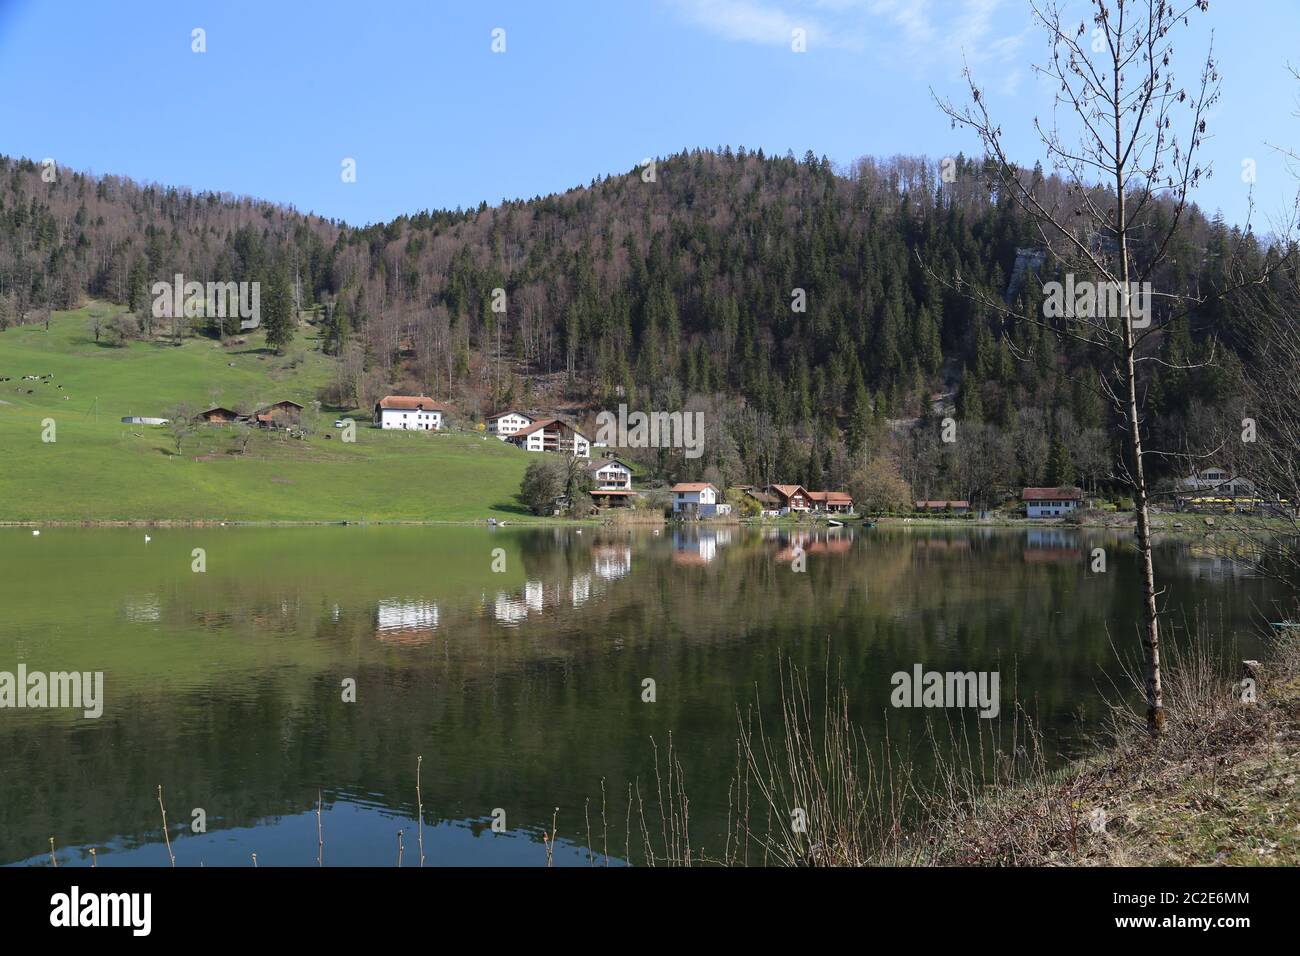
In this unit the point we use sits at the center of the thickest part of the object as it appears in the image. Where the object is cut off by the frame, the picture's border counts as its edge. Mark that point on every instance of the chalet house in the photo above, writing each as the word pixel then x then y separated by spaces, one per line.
pixel 1219 481
pixel 953 507
pixel 611 483
pixel 222 416
pixel 831 502
pixel 505 424
pixel 769 506
pixel 1051 502
pixel 279 415
pixel 695 499
pixel 409 412
pixel 793 499
pixel 551 434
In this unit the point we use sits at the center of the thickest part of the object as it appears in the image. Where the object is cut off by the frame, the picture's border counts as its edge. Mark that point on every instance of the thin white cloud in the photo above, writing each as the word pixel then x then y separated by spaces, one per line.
pixel 921 34
pixel 753 21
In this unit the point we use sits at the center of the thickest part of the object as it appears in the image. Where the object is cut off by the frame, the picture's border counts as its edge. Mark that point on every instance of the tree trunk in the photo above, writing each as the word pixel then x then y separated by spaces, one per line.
pixel 1154 694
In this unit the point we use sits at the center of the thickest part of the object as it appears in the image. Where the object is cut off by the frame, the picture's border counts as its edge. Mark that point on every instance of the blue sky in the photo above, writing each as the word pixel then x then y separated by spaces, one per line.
pixel 433 118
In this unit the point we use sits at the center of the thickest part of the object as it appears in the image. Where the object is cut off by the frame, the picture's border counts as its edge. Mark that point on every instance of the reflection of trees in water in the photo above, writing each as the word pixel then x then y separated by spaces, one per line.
pixel 535 716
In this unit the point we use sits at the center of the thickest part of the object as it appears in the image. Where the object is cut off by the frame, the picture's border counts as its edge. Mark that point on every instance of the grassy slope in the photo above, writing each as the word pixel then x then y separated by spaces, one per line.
pixel 102 470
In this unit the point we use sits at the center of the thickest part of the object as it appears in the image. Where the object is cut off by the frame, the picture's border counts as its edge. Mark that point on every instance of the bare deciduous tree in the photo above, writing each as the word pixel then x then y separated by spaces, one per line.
pixel 1129 164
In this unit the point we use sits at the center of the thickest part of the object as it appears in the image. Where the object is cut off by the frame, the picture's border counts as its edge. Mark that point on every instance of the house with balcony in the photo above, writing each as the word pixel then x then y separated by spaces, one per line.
pixel 505 424
pixel 791 499
pixel 551 434
pixel 611 483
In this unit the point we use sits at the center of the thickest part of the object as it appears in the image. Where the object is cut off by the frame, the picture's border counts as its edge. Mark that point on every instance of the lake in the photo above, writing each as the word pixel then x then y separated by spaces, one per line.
pixel 514 662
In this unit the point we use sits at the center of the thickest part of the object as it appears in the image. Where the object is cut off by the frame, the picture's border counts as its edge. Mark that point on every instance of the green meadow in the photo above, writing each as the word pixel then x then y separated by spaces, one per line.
pixel 99 469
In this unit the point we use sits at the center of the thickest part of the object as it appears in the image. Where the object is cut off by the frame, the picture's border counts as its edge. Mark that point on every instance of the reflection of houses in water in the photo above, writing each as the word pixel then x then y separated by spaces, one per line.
pixel 1051 546
pixel 813 542
pixel 509 610
pixel 405 622
pixel 1221 560
pixel 580 590
pixel 611 562
pixel 942 544
pixel 698 547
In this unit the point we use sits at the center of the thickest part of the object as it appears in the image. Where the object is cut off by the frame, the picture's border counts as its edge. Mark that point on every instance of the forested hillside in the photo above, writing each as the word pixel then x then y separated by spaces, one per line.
pixel 807 310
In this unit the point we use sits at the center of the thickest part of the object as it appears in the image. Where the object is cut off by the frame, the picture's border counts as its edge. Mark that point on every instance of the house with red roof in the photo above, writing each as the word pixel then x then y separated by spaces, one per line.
pixel 695 499
pixel 792 499
pixel 409 413
pixel 831 502
pixel 1051 502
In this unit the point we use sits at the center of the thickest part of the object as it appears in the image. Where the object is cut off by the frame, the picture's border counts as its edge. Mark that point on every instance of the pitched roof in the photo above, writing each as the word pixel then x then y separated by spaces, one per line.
pixel 788 491
pixel 830 497
pixel 409 403
pixel 511 411
pixel 544 423
pixel 687 486
pixel 1051 494
pixel 597 464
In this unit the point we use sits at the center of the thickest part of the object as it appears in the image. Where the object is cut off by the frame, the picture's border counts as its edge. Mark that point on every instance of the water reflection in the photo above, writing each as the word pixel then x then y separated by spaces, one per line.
pixel 519 689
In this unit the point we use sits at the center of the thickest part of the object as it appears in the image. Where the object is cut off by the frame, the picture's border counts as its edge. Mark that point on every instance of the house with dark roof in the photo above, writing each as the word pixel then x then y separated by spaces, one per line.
pixel 957 507
pixel 222 416
pixel 507 423
pixel 551 434
pixel 769 506
pixel 280 414
pixel 611 483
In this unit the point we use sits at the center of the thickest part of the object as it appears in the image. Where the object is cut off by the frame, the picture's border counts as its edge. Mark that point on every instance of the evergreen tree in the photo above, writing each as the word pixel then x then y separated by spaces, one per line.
pixel 277 312
pixel 1060 464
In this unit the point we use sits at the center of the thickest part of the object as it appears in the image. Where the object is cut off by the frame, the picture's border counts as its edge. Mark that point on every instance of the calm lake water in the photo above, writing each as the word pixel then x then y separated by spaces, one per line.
pixel 521 689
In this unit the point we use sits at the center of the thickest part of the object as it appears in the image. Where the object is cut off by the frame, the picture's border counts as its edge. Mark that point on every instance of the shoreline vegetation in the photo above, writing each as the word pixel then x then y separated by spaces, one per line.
pixel 1218 789
pixel 1171 524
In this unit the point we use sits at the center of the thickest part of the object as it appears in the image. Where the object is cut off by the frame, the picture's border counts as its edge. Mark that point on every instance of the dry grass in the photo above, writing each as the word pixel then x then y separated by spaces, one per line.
pixel 1218 788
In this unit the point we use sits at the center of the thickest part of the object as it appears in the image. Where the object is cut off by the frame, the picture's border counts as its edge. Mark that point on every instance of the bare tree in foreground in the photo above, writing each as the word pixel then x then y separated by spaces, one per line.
pixel 1128 170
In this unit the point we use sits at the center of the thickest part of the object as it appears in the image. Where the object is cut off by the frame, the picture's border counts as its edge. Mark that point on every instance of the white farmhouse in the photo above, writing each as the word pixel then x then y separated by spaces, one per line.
pixel 551 434
pixel 1051 502
pixel 408 412
pixel 695 499
pixel 505 424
